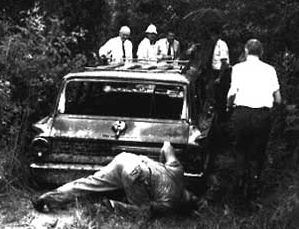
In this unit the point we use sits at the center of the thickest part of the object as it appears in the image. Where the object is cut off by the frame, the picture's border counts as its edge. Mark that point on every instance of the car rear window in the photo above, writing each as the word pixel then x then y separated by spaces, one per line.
pixel 123 99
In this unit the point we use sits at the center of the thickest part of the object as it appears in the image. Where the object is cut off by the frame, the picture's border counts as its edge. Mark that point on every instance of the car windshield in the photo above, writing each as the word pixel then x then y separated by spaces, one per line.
pixel 123 99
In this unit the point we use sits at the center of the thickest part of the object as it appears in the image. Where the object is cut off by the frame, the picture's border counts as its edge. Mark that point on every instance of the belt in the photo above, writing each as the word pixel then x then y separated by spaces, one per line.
pixel 256 109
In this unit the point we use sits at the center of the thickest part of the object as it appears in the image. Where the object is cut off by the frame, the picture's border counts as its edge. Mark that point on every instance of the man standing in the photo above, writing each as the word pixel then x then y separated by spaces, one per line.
pixel 118 49
pixel 254 89
pixel 220 57
pixel 218 81
pixel 169 47
pixel 148 184
pixel 147 49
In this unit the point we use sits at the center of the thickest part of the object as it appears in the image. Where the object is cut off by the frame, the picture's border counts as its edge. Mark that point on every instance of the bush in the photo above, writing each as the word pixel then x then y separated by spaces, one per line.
pixel 33 58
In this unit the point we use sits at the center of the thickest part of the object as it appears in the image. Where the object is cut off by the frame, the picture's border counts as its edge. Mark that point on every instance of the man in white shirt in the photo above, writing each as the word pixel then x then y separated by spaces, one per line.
pixel 169 47
pixel 118 49
pixel 147 49
pixel 218 82
pixel 253 92
pixel 220 55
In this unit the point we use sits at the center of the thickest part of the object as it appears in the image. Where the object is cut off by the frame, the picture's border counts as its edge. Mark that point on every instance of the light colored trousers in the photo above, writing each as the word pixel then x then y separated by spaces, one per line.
pixel 126 171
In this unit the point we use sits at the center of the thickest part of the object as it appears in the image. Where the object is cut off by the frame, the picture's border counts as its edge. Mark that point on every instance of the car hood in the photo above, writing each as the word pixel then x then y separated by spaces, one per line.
pixel 137 130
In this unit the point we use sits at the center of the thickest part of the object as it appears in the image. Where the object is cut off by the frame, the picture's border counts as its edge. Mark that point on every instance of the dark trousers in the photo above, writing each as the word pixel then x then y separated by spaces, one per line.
pixel 251 128
pixel 197 87
pixel 217 91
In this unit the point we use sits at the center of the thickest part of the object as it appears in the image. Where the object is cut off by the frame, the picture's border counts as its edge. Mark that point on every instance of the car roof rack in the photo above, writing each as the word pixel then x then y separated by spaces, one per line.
pixel 173 66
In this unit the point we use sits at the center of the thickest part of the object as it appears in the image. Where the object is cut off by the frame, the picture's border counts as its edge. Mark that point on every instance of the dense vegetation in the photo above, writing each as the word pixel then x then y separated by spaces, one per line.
pixel 42 40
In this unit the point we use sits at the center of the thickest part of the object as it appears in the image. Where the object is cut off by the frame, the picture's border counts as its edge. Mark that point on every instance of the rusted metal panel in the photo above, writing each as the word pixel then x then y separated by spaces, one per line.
pixel 138 131
pixel 77 159
pixel 103 148
pixel 44 126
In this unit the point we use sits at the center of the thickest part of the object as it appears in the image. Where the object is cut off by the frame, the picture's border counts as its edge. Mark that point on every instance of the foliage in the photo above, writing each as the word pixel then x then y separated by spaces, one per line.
pixel 33 58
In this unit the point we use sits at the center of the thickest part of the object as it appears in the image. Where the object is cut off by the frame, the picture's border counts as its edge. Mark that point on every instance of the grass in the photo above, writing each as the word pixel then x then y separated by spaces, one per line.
pixel 209 217
pixel 277 207
pixel 277 215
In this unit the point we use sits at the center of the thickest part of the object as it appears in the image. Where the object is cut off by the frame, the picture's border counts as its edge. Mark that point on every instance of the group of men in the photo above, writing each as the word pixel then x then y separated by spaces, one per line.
pixel 253 91
pixel 120 48
pixel 213 58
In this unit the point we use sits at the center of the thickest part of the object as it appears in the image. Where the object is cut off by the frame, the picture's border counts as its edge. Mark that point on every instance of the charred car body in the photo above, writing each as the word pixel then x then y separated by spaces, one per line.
pixel 107 110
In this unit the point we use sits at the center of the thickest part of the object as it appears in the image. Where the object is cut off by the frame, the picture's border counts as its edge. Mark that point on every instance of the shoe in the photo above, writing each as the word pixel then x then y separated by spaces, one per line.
pixel 109 204
pixel 40 205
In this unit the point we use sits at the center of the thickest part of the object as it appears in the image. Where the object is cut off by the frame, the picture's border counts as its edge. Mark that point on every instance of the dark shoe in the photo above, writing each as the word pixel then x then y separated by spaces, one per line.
pixel 40 205
pixel 108 204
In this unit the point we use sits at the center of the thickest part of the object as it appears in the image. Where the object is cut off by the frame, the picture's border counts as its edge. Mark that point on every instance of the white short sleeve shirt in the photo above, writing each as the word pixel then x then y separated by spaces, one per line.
pixel 220 52
pixel 253 83
pixel 113 49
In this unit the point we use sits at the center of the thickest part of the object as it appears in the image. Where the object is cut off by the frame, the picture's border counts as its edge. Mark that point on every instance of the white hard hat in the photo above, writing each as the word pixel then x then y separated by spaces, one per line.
pixel 151 29
pixel 125 29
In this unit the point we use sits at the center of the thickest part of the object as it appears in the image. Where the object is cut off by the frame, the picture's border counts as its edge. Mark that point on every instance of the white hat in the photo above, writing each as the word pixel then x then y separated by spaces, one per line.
pixel 151 29
pixel 125 29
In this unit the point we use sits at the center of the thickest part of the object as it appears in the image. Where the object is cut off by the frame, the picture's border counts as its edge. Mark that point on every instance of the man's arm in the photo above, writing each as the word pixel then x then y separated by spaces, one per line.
pixel 231 96
pixel 230 102
pixel 129 51
pixel 275 88
pixel 167 153
pixel 142 49
pixel 159 47
pixel 277 97
pixel 223 68
pixel 178 51
pixel 105 50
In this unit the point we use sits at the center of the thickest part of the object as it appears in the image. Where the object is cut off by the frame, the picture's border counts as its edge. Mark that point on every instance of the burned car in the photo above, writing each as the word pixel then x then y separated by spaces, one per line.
pixel 106 110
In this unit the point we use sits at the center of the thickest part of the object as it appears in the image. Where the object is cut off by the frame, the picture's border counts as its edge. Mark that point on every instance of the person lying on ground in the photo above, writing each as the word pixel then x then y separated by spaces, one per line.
pixel 148 184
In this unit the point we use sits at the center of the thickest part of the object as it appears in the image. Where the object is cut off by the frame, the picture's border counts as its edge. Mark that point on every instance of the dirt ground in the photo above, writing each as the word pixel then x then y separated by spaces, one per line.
pixel 16 211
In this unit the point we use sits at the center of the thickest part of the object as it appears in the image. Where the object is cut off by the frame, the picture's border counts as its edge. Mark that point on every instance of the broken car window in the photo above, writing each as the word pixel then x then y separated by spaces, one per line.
pixel 124 99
